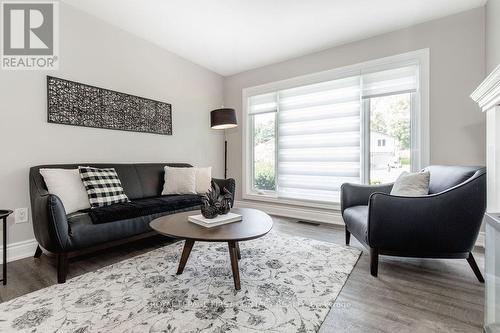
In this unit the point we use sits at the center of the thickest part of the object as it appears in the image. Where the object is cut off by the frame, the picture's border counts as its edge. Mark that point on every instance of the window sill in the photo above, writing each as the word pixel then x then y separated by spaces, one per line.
pixel 303 203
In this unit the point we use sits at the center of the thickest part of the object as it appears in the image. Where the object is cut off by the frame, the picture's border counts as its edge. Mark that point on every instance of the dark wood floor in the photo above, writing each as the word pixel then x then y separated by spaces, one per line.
pixel 410 295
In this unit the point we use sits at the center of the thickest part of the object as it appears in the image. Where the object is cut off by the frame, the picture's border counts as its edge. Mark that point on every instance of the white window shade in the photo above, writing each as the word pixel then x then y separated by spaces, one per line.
pixel 302 143
pixel 398 80
pixel 318 139
pixel 262 103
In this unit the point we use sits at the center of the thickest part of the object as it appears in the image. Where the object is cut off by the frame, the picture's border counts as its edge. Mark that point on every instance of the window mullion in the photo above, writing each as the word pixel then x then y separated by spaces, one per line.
pixel 252 152
pixel 415 162
pixel 276 144
pixel 365 141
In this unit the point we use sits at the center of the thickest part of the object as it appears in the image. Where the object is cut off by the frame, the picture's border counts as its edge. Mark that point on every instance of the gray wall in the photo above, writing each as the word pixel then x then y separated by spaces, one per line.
pixel 492 34
pixel 96 53
pixel 457 66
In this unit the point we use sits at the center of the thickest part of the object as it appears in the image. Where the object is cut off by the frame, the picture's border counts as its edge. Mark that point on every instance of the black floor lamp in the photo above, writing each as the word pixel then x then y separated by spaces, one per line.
pixel 223 119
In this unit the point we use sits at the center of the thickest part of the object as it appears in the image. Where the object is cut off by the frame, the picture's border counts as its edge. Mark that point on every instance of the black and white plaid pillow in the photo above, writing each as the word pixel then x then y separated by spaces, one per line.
pixel 103 186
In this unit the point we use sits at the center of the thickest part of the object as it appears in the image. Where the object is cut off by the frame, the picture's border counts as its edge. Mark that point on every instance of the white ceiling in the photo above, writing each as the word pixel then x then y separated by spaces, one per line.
pixel 231 36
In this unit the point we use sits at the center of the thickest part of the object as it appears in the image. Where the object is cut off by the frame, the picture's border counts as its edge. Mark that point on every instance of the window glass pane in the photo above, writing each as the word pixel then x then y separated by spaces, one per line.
pixel 389 137
pixel 264 156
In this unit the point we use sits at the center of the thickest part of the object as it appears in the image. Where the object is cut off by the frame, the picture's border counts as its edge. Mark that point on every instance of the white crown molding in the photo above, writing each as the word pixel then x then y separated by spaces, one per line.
pixel 487 94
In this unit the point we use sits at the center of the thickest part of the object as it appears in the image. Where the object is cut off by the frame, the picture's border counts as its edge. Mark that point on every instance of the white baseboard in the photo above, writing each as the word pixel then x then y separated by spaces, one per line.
pixel 301 213
pixel 311 214
pixel 20 250
pixel 480 239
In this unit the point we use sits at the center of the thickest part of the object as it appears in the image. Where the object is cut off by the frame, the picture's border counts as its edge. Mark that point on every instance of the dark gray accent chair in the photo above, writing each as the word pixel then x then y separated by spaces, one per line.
pixel 443 224
pixel 69 235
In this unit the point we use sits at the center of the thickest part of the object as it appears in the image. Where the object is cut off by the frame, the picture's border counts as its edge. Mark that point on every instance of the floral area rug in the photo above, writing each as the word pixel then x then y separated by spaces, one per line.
pixel 288 284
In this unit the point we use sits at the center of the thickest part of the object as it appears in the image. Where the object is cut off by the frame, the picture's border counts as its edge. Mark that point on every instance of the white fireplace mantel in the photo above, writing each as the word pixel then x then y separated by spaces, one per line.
pixel 487 95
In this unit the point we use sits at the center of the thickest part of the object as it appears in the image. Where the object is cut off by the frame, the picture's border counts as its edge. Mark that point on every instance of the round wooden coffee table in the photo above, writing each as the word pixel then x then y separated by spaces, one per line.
pixel 254 224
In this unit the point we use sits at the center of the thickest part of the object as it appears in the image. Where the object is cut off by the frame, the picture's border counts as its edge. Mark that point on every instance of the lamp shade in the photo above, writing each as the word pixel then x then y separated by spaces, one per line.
pixel 223 119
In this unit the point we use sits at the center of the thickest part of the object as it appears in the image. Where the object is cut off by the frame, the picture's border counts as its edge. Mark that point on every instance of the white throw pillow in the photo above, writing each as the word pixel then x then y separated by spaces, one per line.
pixel 203 180
pixel 412 184
pixel 68 186
pixel 179 181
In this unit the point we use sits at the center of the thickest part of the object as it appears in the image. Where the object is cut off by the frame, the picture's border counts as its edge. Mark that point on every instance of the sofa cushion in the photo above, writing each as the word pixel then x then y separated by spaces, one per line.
pixel 141 180
pixel 68 186
pixel 150 176
pixel 143 207
pixel 179 181
pixel 356 220
pixel 203 179
pixel 103 186
pixel 411 184
pixel 84 233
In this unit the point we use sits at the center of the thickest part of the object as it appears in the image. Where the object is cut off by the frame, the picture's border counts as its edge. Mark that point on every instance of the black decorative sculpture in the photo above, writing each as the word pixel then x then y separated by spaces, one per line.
pixel 215 202
pixel 225 201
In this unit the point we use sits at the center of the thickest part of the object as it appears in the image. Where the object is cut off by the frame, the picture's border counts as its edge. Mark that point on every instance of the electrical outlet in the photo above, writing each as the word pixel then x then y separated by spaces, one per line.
pixel 21 215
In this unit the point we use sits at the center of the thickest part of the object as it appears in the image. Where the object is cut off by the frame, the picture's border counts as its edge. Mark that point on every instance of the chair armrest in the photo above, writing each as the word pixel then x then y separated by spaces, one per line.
pixel 358 194
pixel 447 222
pixel 50 224
pixel 229 184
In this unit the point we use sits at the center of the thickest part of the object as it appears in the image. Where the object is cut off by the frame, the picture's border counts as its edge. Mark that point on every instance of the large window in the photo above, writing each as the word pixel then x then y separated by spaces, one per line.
pixel 303 141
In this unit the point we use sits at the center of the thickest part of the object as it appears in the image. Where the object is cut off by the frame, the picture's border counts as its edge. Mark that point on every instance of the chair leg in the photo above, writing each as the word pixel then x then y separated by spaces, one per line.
pixel 62 267
pixel 38 252
pixel 475 268
pixel 373 262
pixel 347 236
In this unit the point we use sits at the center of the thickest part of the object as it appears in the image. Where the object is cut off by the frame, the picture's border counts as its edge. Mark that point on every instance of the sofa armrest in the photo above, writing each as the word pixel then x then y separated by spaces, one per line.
pixel 447 222
pixel 229 184
pixel 358 194
pixel 50 224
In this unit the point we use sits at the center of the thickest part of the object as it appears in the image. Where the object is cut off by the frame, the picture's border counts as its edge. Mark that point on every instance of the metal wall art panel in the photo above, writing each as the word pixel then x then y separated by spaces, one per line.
pixel 78 104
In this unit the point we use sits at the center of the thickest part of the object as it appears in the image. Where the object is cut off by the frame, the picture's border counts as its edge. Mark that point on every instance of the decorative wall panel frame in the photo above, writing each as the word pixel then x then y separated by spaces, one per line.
pixel 79 104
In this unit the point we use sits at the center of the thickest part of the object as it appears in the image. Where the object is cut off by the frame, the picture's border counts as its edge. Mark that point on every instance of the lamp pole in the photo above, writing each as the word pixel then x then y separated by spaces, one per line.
pixel 223 119
pixel 225 155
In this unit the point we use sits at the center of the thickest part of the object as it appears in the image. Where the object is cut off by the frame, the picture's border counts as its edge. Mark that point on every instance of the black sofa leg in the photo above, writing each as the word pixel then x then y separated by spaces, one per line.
pixel 373 262
pixel 473 265
pixel 62 267
pixel 38 252
pixel 347 236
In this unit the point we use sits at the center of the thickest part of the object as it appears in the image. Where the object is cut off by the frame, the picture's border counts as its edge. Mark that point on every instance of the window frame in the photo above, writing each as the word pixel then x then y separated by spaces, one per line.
pixel 419 121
